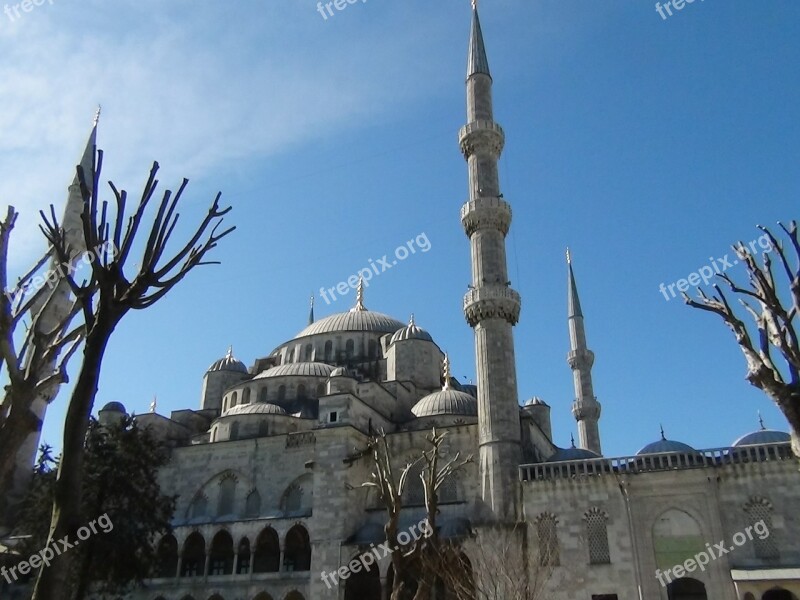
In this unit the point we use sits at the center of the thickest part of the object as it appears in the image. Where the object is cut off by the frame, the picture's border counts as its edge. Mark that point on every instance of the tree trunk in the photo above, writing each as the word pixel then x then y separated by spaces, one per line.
pixel 790 406
pixel 57 581
pixel 21 422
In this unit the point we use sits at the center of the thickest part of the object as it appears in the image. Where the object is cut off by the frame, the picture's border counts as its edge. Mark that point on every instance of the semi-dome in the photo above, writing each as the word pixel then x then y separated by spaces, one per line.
pixel 446 402
pixel 114 407
pixel 300 369
pixel 764 436
pixel 563 454
pixel 411 332
pixel 228 363
pixel 257 408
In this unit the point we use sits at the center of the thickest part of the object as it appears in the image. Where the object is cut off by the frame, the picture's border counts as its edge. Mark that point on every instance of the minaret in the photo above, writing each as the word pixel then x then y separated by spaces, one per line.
pixel 491 306
pixel 586 408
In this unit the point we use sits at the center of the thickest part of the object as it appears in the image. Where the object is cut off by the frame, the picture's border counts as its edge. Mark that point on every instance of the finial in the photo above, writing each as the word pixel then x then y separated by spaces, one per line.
pixel 153 404
pixel 311 312
pixel 474 4
pixel 96 119
pixel 761 421
pixel 359 296
pixel 411 321
pixel 569 257
pixel 229 355
pixel 572 439
pixel 446 372
pixel 663 437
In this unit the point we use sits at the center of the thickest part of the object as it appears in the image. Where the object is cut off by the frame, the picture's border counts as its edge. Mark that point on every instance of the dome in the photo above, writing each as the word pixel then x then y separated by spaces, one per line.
pixel 257 408
pixel 536 401
pixel 359 320
pixel 301 369
pixel 664 445
pixel 411 332
pixel 114 407
pixel 340 372
pixel 764 436
pixel 446 402
pixel 228 363
pixel 573 453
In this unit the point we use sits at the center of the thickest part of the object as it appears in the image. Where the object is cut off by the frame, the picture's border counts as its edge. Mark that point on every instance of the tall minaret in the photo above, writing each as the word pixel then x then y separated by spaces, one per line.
pixel 491 306
pixel 586 408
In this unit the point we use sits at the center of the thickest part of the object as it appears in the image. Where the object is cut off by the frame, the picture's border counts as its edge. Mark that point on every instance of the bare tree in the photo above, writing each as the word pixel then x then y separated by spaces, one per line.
pixel 419 556
pixel 773 356
pixel 113 239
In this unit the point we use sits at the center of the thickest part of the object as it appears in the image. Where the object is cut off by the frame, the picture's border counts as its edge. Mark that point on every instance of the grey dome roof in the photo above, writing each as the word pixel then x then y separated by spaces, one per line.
pixel 228 363
pixel 446 402
pixel 573 453
pixel 303 369
pixel 664 445
pixel 411 332
pixel 114 407
pixel 536 401
pixel 341 372
pixel 257 408
pixel 355 320
pixel 764 436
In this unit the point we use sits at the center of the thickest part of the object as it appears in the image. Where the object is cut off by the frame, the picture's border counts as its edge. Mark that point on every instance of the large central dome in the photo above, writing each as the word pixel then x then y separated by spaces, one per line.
pixel 359 320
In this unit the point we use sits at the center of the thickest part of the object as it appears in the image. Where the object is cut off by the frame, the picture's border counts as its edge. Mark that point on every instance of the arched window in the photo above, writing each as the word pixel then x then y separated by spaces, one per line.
pixel 320 390
pixel 350 349
pixel 213 434
pixel 267 557
pixel 194 556
pixel 167 561
pixel 301 392
pixel 414 493
pixel 597 534
pixel 547 532
pixel 221 562
pixel 687 588
pixel 243 565
pixel 759 513
pixel 281 393
pixel 199 507
pixel 307 352
pixel 253 504
pixel 676 538
pixel 448 490
pixel 778 593
pixel 297 554
pixel 293 500
pixel 262 394
pixel 263 596
pixel 294 595
pixel 328 351
pixel 234 399
pixel 227 493
pixel 234 431
pixel 246 396
pixel 297 499
pixel 373 349
pixel 263 428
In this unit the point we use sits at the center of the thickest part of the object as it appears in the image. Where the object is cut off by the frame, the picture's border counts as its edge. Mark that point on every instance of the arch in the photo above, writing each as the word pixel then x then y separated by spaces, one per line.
pixel 187 597
pixel 246 396
pixel 301 392
pixel 252 505
pixel 199 507
pixel 167 557
pixel 350 349
pixel 194 556
pixel 262 394
pixel 778 593
pixel 298 498
pixel 749 596
pixel 234 433
pixel 759 512
pixel 597 534
pixel 221 554
pixel 227 495
pixel 234 399
pixel 414 492
pixel 308 352
pixel 262 596
pixel 328 351
pixel 547 533
pixel 366 584
pixel 243 552
pixel 297 550
pixel 677 537
pixel 294 595
pixel 687 588
pixel 215 597
pixel 267 555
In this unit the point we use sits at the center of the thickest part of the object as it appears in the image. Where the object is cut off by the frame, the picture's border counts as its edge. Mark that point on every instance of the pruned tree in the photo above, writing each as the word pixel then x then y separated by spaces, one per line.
pixel 772 351
pixel 104 299
pixel 417 557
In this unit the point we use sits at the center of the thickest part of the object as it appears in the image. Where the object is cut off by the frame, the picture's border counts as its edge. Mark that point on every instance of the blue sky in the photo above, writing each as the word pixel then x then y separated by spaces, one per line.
pixel 646 145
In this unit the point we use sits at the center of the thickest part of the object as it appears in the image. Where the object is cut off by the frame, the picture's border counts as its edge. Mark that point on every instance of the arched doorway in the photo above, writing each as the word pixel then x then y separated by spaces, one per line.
pixel 778 594
pixel 364 585
pixel 686 589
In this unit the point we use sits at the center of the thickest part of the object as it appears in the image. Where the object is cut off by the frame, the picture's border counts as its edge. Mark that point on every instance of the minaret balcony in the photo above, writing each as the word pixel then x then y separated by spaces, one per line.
pixel 484 213
pixel 481 137
pixel 492 302
pixel 580 359
pixel 586 409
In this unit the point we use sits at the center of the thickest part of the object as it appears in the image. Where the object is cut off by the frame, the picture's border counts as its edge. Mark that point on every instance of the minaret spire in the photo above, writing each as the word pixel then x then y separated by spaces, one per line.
pixel 586 409
pixel 311 311
pixel 492 308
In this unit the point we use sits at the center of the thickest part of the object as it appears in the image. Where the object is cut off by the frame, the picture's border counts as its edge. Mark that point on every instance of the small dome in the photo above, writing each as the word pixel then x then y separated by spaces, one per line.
pixel 411 332
pixel 536 401
pixel 340 372
pixel 301 369
pixel 764 436
pixel 361 320
pixel 446 402
pixel 228 363
pixel 114 407
pixel 563 454
pixel 257 408
pixel 663 445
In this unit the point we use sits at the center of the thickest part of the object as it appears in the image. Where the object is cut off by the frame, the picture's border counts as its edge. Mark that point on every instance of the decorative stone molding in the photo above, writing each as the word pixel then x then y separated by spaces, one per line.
pixel 580 359
pixel 582 409
pixel 490 302
pixel 481 137
pixel 484 213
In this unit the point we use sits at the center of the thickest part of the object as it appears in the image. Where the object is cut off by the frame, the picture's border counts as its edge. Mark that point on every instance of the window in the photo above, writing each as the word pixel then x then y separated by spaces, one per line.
pixel 301 392
pixel 227 493
pixel 297 556
pixel 246 396
pixel 328 351
pixel 597 534
pixel 350 349
pixel 309 349
pixel 333 417
pixel 759 512
pixel 293 501
pixel 194 556
pixel 253 504
pixel 262 395
pixel 448 490
pixel 234 399
pixel 547 532
pixel 243 565
pixel 199 507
